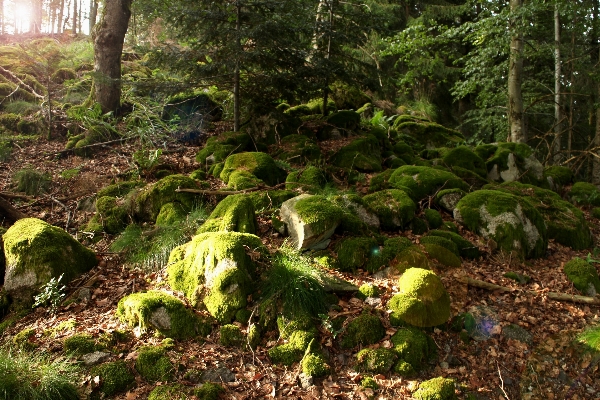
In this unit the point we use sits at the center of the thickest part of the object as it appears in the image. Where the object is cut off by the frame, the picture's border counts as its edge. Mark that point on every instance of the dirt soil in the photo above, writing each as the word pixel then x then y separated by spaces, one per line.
pixel 551 366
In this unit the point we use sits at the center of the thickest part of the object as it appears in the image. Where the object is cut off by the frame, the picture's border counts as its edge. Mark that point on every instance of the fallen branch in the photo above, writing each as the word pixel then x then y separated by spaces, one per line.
pixel 9 212
pixel 228 192
pixel 551 295
pixel 26 86
pixel 67 151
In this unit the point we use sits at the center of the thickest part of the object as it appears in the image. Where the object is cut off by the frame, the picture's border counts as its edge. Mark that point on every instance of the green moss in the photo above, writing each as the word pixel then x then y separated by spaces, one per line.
pixel 596 212
pixel 80 344
pixel 436 389
pixel 293 350
pixel 297 149
pixel 153 365
pixel 425 181
pixel 314 365
pixel 354 253
pixel 299 322
pixel 369 383
pixel 367 290
pixel 465 248
pixel 583 275
pixel 413 347
pixel 428 134
pixel 112 214
pixel 394 246
pixel 444 256
pixel 25 339
pixel 217 149
pixel 115 377
pixel 209 391
pixel 235 213
pixel 169 392
pixel 585 193
pixel 419 226
pixel 311 179
pixel 560 176
pixel 220 263
pixel 254 336
pixel 433 218
pixel 119 189
pixel 269 199
pixel 241 180
pixel 163 312
pixel 411 257
pixel 362 155
pixel 514 224
pixel 466 158
pixel 380 181
pixel 448 198
pixel 10 121
pixel 36 252
pixel 364 330
pixel 519 278
pixel 318 212
pixel 231 336
pixel 31 182
pixel 422 300
pixel 151 199
pixel 171 214
pixel 442 242
pixel 259 164
pixel 375 360
pixel 393 207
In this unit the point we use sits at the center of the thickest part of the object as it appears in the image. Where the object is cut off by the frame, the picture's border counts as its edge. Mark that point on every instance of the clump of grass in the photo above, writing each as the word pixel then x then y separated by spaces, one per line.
pixel 5 150
pixel 31 182
pixel 36 377
pixel 294 283
pixel 591 338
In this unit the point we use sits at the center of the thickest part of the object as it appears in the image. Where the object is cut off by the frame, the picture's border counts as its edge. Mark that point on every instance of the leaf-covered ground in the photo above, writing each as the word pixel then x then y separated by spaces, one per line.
pixel 552 366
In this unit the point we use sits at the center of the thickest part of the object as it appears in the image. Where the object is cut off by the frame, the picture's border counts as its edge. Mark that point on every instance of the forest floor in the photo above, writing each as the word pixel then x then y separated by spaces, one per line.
pixel 551 366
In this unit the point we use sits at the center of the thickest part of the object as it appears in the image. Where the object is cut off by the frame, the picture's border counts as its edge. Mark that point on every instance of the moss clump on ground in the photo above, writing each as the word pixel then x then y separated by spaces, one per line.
pixel 465 248
pixel 209 391
pixel 394 208
pixel 25 339
pixel 369 383
pixel 363 154
pixel 558 175
pixel 464 157
pixel 301 321
pixel 231 336
pixel 585 193
pixel 427 134
pixel 235 213
pixel 37 252
pixel 293 350
pixel 444 256
pixel 314 365
pixel 80 344
pixel 367 290
pixel 433 218
pixel 380 181
pixel 163 312
pixel 364 330
pixel 411 257
pixel 269 199
pixel 422 300
pixel 115 377
pixel 258 164
pixel 297 149
pixel 112 215
pixel 119 189
pixel 441 241
pixel 150 199
pixel 171 214
pixel 153 365
pixel 217 268
pixel 241 180
pixel 436 389
pixel 514 224
pixel 375 360
pixel 583 275
pixel 170 392
pixel 354 253
pixel 217 149
pixel 414 348
pixel 425 181
pixel 310 179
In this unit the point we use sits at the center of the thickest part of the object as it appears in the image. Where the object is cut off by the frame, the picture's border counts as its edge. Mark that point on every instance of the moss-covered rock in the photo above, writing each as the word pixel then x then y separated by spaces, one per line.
pixel 37 252
pixel 258 164
pixel 358 218
pixel 362 154
pixel 153 364
pixel 293 350
pixel 449 198
pixel 218 148
pixel 310 179
pixel 297 150
pixel 441 241
pixel 150 200
pixel 315 365
pixel 436 389
pixel 465 248
pixel 583 275
pixel 114 376
pixel 425 181
pixel 112 214
pixel 217 268
pixel 558 176
pixel 377 361
pixel 394 208
pixel 585 194
pixel 369 383
pixel 428 134
pixel 367 290
pixel 269 199
pixel 209 391
pixel 514 224
pixel 344 119
pixel 95 134
pixel 422 300
pixel 380 181
pixel 508 162
pixel 433 218
pixel 80 344
pixel 354 252
pixel 235 213
pixel 414 348
pixel 231 336
pixel 299 322
pixel 464 157
pixel 410 257
pixel 364 330
pixel 162 312
pixel 171 214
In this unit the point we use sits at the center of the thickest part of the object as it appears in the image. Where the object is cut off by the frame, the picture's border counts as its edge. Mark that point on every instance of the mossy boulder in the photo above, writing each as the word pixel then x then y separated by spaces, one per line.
pixel 585 194
pixel 433 218
pixel 365 329
pixel 80 344
pixel 422 300
pixel 310 179
pixel 508 162
pixel 356 252
pixel 231 336
pixel 119 189
pixel 380 181
pixel 443 250
pixel 310 220
pixel 566 223
pixel 63 74
pixel 293 350
pixel 241 180
pixel 414 349
pixel 465 248
pixel 357 215
pixel 425 181
pixel 171 214
pixel 362 154
pixel 394 208
pixel 344 119
pixel 377 361
pixel 153 364
pixel 367 290
pixel 514 224
pixel 583 275
pixel 95 134
pixel 209 391
pixel 315 365
pixel 235 213
pixel 217 269
pixel 37 252
pixel 441 241
pixel 218 148
pixel 163 312
pixel 112 214
pixel 410 257
pixel 115 377
pixel 150 199
pixel 436 389
pixel 558 176
pixel 258 164
pixel 270 199
pixel 464 157
pixel 297 150
pixel 427 134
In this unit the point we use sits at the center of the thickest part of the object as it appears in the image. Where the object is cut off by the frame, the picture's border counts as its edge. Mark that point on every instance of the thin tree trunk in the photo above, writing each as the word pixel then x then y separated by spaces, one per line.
pixel 557 88
pixel 61 13
pixel 79 18
pixel 236 72
pixel 596 139
pixel 74 27
pixel 93 14
pixel 108 46
pixel 35 24
pixel 515 77
pixel 1 17
pixel 327 57
pixel 571 99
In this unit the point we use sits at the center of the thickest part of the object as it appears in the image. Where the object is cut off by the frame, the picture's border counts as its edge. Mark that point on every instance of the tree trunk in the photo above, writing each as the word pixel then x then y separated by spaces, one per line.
pixel 93 14
pixel 108 46
pixel 1 17
pixel 60 16
pixel 515 77
pixel 35 24
pixel 596 144
pixel 75 14
pixel 557 87
pixel 236 72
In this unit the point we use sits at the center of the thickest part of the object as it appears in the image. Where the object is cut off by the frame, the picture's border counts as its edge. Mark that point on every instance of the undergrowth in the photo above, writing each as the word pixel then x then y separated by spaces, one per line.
pixel 591 338
pixel 31 182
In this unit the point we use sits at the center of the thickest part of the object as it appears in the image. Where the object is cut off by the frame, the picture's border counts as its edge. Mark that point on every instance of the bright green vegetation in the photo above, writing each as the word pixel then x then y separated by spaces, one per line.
pixel 422 300
pixel 362 154
pixel 394 208
pixel 36 252
pixel 219 147
pixel 436 389
pixel 585 193
pixel 231 336
pixel 375 360
pixel 296 322
pixel 433 218
pixel 369 383
pixel 414 349
pixel 111 216
pixel 310 179
pixel 24 339
pixel 365 329
pixel 513 223
pixel 114 376
pixel 318 212
pixel 425 181
pixel 162 312
pixel 32 182
pixel 259 164
pixel 235 213
pixel 153 364
pixel 119 189
pixel 314 365
pixel 559 175
pixel 150 199
pixel 80 344
pixel 465 248
pixel 367 290
pixel 208 391
pixel 591 338
pixel 583 275
pixel 358 252
pixel 36 377
pixel 170 392
pixel 464 157
pixel 293 350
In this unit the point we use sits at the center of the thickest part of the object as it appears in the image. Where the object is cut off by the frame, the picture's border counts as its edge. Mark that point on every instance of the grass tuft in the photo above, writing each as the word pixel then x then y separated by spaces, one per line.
pixel 591 338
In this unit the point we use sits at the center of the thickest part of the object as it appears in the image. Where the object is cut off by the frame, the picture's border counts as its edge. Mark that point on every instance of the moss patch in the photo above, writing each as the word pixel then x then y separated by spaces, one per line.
pixel 315 365
pixel 413 347
pixel 585 193
pixel 583 275
pixel 375 360
pixel 362 155
pixel 425 181
pixel 209 391
pixel 367 290
pixel 466 158
pixel 354 253
pixel 235 213
pixel 293 350
pixel 310 179
pixel 465 248
pixel 151 199
pixel 231 336
pixel 115 377
pixel 153 365
pixel 258 164
pixel 169 392
pixel 436 389
pixel 365 329
pixel 394 208
pixel 80 344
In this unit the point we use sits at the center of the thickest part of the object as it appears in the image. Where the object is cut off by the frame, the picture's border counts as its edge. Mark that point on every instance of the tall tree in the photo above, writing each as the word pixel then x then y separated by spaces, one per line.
pixel 93 14
pixel 75 15
pixel 516 120
pixel 557 86
pixel 108 45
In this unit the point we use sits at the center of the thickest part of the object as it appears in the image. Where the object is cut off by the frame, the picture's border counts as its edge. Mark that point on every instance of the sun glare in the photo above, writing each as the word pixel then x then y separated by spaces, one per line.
pixel 22 14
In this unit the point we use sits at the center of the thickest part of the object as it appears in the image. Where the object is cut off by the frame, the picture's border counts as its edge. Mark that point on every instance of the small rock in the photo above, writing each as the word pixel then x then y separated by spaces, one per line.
pixel 84 295
pixel 373 301
pixel 444 365
pixel 563 377
pixel 220 374
pixel 519 333
pixel 305 381
pixel 95 358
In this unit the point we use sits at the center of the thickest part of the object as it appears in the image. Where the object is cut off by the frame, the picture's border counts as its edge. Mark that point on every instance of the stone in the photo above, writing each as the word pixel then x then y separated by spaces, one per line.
pixel 235 213
pixel 306 381
pixel 95 358
pixel 482 322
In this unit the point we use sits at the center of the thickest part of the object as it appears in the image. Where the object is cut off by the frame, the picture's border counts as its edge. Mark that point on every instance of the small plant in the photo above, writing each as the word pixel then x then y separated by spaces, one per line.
pixel 146 160
pixel 591 338
pixel 69 173
pixel 52 293
pixel 5 150
pixel 32 182
pixel 330 325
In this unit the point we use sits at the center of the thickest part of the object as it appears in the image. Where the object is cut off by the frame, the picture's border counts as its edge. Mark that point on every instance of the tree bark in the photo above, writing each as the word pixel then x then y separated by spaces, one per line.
pixel 557 87
pixel 515 77
pixel 61 13
pixel 236 72
pixel 596 144
pixel 108 46
pixel 1 17
pixel 93 14
pixel 75 14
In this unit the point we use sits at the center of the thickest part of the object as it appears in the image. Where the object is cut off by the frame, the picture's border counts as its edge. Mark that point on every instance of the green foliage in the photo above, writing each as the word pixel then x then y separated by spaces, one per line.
pixel 31 182
pixel 5 150
pixel 80 344
pixel 147 160
pixel 365 329
pixel 591 338
pixel 209 391
pixel 314 365
pixel 114 376
pixel 52 294
pixel 153 365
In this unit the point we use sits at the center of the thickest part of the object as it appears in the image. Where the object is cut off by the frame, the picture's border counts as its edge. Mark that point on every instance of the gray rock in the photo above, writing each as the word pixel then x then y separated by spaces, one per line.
pixel 220 374
pixel 485 323
pixel 95 358
pixel 160 318
pixel 519 333
pixel 84 294
pixel 305 381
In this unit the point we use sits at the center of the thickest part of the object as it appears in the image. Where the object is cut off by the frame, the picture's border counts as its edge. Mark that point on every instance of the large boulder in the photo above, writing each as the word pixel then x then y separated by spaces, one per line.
pixel 362 154
pixel 235 213
pixel 393 207
pixel 259 164
pixel 150 199
pixel 425 181
pixel 511 222
pixel 217 269
pixel 508 162
pixel 37 252
pixel 310 220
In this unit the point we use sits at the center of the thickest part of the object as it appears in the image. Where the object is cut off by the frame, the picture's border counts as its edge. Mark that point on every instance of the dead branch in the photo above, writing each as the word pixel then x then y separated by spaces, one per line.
pixel 8 211
pixel 228 192
pixel 26 86
pixel 551 295
pixel 68 151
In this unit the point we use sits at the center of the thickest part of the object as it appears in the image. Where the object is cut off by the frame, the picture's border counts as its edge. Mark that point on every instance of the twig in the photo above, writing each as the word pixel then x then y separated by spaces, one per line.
pixel 228 192
pixel 502 382
pixel 66 209
pixel 16 78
